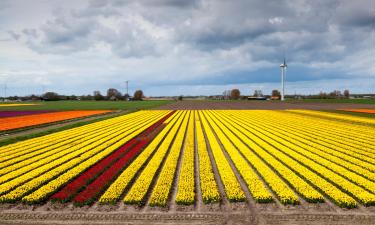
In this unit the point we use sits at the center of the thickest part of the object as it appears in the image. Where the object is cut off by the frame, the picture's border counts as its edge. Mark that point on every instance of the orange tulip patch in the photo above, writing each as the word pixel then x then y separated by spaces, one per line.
pixel 32 120
pixel 371 111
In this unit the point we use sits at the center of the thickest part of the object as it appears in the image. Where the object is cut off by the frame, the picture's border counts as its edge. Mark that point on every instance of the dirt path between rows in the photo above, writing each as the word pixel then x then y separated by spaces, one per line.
pixel 31 215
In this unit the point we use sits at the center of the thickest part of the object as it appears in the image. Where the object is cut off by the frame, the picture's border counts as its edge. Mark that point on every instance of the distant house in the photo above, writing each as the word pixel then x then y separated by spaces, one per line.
pixel 256 98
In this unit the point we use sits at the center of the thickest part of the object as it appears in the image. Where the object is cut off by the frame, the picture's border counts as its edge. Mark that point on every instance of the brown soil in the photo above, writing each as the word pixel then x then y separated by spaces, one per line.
pixel 261 105
pixel 238 214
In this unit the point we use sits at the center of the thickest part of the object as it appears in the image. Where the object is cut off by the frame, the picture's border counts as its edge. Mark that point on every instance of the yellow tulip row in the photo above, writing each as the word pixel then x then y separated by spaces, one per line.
pixel 35 146
pixel 251 151
pixel 163 186
pixel 231 185
pixel 256 187
pixel 360 140
pixel 87 154
pixel 116 189
pixel 336 116
pixel 141 186
pixel 29 171
pixel 299 152
pixel 353 164
pixel 339 144
pixel 341 198
pixel 18 165
pixel 319 135
pixel 361 194
pixel 366 131
pixel 40 142
pixel 109 147
pixel 186 185
pixel 209 189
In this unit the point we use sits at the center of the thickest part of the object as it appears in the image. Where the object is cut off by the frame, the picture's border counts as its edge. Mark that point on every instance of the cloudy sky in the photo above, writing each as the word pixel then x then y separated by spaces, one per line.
pixel 173 47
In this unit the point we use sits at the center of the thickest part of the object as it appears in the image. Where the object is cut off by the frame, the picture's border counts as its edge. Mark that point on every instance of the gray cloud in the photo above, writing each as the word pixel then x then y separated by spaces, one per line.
pixel 210 41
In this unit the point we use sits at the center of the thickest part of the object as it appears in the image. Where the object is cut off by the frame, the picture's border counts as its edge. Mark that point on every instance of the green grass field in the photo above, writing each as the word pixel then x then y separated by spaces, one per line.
pixel 87 105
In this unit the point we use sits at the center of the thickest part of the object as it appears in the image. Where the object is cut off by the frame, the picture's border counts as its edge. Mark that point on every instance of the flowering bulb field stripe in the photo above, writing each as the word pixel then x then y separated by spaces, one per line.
pixel 56 167
pixel 79 149
pixel 41 142
pixel 11 104
pixel 163 186
pixel 52 139
pixel 354 164
pixel 338 128
pixel 71 172
pixel 51 153
pixel 72 139
pixel 366 132
pixel 139 158
pixel 360 141
pixel 323 142
pixel 141 186
pixel 256 187
pixel 231 185
pixel 32 120
pixel 89 194
pixel 73 187
pixel 321 133
pixel 361 194
pixel 335 116
pixel 5 114
pixel 370 111
pixel 341 198
pixel 300 152
pixel 209 189
pixel 282 191
pixel 186 186
pixel 114 192
pixel 58 158
pixel 121 156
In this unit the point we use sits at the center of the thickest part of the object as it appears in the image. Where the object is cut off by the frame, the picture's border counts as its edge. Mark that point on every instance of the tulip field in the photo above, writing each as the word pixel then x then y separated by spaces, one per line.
pixel 182 157
pixel 22 119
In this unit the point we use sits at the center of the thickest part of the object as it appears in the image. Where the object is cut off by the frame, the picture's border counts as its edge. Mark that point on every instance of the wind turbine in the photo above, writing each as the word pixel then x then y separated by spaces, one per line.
pixel 283 67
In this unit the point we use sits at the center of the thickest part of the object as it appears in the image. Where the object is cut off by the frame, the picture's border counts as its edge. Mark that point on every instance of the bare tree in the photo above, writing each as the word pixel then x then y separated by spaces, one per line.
pixel 51 96
pixel 113 94
pixel 235 94
pixel 98 96
pixel 258 93
pixel 138 95
pixel 335 94
pixel 276 93
pixel 346 93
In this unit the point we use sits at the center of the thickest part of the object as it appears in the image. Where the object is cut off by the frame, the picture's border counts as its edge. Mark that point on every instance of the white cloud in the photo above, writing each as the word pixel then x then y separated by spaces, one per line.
pixel 276 20
pixel 195 44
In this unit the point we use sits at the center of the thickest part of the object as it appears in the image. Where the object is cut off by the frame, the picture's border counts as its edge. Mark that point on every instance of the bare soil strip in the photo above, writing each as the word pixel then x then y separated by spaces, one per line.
pixel 201 104
pixel 280 217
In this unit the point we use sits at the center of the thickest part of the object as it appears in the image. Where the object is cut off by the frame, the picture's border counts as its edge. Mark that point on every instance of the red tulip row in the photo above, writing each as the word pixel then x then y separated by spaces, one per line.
pixel 92 191
pixel 98 176
pixel 77 184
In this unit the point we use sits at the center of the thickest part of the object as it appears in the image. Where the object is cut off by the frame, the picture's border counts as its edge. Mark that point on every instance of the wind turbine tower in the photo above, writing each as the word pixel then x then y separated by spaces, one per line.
pixel 283 67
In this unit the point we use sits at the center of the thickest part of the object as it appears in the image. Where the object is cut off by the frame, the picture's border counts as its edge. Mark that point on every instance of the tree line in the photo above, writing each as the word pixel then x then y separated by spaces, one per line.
pixel 235 94
pixel 111 95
